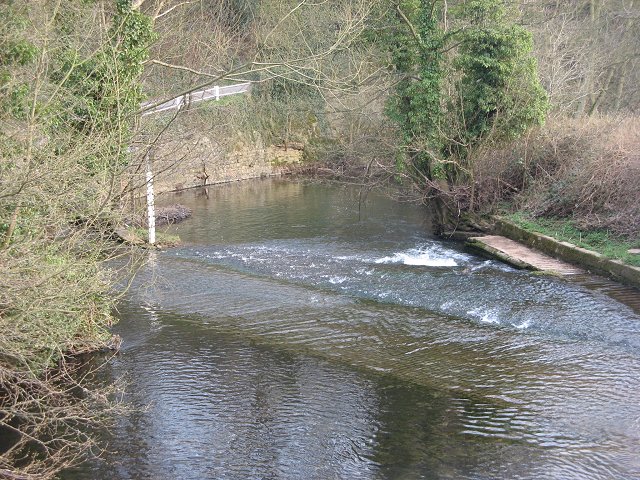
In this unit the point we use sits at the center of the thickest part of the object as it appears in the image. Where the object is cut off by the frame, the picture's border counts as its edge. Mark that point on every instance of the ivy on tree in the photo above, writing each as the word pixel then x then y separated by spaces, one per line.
pixel 461 88
pixel 500 92
pixel 104 91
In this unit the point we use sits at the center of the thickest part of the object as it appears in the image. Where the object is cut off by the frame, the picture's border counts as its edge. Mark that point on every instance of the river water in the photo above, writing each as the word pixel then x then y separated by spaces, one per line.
pixel 298 335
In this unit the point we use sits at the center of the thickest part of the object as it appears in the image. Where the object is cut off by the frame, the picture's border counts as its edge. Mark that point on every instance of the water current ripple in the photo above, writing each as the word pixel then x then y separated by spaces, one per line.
pixel 427 275
pixel 294 338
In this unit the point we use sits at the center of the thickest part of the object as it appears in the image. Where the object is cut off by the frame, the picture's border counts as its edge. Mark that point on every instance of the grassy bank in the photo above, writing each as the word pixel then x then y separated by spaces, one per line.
pixel 574 179
pixel 601 241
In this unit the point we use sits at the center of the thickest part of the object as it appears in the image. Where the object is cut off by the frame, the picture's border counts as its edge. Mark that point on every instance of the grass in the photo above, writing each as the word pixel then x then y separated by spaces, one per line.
pixel 165 240
pixel 564 230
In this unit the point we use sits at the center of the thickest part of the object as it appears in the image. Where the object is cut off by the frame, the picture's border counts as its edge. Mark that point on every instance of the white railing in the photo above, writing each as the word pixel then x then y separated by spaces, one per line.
pixel 212 93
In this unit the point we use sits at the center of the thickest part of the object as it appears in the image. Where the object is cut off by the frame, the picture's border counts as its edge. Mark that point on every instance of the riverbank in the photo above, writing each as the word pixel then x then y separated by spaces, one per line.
pixel 194 152
pixel 598 241
pixel 568 187
pixel 574 177
pixel 591 261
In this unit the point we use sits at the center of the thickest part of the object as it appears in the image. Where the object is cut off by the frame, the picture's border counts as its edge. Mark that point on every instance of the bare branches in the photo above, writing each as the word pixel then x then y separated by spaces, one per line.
pixel 171 9
pixel 186 69
pixel 283 47
pixel 47 421
pixel 579 51
pixel 412 28
pixel 57 211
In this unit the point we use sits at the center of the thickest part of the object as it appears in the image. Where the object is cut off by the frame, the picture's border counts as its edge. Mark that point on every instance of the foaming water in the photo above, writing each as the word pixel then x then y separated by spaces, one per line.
pixel 427 256
pixel 296 337
pixel 438 278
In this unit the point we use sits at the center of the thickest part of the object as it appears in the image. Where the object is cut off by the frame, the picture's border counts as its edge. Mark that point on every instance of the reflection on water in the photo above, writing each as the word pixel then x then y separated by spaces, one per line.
pixel 294 338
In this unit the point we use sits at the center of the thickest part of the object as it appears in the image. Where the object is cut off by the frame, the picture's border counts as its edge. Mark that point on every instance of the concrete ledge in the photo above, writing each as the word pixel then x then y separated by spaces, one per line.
pixel 591 261
pixel 491 252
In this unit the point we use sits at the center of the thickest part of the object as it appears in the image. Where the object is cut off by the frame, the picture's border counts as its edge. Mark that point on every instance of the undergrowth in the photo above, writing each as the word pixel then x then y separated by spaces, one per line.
pixel 586 170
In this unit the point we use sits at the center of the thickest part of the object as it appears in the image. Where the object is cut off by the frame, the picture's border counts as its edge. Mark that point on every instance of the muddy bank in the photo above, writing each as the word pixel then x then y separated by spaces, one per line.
pixel 172 214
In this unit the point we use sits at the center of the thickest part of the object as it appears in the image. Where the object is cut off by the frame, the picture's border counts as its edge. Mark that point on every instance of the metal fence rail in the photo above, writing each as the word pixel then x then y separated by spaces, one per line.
pixel 213 93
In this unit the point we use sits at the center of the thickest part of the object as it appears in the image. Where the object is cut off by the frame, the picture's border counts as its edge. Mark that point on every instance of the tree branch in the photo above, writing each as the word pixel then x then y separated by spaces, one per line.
pixel 169 10
pixel 406 20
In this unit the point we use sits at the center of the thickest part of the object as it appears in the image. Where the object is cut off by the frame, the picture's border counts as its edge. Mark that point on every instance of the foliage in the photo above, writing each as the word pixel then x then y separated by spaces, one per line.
pixel 40 219
pixel 102 93
pixel 588 54
pixel 417 106
pixel 16 51
pixel 583 170
pixel 73 89
pixel 501 96
pixel 462 87
pixel 307 61
pixel 284 110
pixel 20 52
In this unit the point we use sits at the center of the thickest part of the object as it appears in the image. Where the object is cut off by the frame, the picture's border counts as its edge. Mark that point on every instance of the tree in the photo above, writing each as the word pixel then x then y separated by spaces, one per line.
pixel 417 57
pixel 500 94
pixel 64 131
pixel 588 54
pixel 469 81
pixel 312 73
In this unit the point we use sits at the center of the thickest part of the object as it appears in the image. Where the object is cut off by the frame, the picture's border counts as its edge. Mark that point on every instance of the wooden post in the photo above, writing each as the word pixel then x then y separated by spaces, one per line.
pixel 151 210
pixel 216 92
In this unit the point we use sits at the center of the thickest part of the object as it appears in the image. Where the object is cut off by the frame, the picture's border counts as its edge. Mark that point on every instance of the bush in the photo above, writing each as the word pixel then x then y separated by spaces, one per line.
pixel 585 169
pixel 63 143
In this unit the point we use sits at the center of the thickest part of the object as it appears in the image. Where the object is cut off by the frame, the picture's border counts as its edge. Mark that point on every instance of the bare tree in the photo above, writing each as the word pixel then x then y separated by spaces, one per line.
pixel 588 53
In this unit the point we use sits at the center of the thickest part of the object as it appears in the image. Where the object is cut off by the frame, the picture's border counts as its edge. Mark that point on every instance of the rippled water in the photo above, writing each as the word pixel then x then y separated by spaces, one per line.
pixel 297 335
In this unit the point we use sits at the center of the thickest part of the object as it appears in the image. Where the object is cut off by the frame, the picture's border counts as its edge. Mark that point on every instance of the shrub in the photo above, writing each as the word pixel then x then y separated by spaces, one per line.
pixel 586 169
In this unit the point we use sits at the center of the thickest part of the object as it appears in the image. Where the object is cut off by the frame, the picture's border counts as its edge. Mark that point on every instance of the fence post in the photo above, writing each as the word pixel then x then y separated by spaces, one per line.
pixel 216 92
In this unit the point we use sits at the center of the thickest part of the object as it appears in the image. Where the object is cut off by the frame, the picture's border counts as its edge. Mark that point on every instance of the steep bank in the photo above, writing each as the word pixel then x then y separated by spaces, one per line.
pixel 197 159
pixel 575 180
pixel 208 145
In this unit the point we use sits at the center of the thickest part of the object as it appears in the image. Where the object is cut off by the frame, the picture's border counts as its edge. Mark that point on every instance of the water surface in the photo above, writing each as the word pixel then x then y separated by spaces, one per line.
pixel 299 335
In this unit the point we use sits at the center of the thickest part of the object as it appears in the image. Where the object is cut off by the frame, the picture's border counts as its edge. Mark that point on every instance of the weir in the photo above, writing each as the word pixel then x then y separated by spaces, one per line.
pixel 294 336
pixel 522 256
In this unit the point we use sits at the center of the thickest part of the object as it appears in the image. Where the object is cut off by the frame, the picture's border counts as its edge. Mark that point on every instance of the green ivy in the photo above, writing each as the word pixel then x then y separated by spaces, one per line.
pixel 17 52
pixel 104 92
pixel 416 107
pixel 457 89
pixel 499 88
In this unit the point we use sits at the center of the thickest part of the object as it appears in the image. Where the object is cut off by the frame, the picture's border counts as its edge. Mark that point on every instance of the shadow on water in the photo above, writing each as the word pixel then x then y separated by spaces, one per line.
pixel 289 339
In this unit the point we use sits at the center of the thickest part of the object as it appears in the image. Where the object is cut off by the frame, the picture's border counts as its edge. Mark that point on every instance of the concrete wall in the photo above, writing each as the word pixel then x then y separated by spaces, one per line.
pixel 592 261
pixel 195 160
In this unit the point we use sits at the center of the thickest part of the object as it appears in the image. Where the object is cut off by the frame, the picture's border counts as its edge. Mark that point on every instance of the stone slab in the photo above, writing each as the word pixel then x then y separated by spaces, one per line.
pixel 522 256
pixel 590 261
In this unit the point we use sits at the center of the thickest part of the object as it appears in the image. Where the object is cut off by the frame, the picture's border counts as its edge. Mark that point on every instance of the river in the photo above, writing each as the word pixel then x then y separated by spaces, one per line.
pixel 298 335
